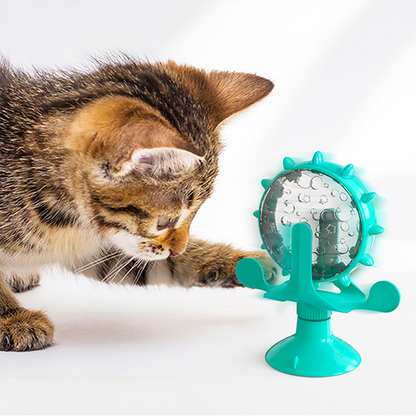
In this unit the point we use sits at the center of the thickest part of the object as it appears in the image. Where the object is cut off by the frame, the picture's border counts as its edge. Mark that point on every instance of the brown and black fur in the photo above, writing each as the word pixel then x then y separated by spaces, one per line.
pixel 70 182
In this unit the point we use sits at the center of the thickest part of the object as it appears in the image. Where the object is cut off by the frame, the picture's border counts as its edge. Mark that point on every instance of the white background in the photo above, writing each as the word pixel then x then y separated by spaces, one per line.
pixel 345 76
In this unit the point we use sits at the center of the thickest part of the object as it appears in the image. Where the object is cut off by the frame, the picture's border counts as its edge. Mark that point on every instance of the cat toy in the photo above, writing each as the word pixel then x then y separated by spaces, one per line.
pixel 317 222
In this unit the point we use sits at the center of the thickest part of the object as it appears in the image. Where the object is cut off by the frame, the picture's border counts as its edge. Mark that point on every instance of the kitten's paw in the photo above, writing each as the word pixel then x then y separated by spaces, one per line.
pixel 25 331
pixel 217 277
pixel 223 273
pixel 270 270
pixel 22 283
pixel 210 264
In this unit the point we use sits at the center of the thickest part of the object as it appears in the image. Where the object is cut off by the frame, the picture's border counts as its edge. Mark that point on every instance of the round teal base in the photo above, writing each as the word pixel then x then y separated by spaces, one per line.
pixel 313 352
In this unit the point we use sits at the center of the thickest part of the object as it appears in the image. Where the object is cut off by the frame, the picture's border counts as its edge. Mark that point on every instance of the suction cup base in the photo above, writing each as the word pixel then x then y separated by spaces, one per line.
pixel 313 352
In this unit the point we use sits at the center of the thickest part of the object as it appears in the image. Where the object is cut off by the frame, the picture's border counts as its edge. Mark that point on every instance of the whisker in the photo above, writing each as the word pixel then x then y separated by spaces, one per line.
pixel 134 265
pixel 140 268
pixel 111 276
pixel 97 261
pixel 119 260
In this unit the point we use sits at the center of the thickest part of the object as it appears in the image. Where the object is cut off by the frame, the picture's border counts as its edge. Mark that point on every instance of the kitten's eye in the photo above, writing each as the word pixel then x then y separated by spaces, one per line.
pixel 163 223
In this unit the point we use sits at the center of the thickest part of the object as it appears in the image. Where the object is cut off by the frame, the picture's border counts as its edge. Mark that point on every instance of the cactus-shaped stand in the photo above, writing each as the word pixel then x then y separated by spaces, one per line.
pixel 317 222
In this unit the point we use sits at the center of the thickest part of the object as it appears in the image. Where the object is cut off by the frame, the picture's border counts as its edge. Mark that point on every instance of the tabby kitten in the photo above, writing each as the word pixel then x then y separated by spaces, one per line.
pixel 109 168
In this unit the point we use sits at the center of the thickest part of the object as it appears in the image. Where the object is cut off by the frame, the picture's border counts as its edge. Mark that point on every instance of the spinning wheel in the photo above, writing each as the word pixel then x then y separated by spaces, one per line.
pixel 317 222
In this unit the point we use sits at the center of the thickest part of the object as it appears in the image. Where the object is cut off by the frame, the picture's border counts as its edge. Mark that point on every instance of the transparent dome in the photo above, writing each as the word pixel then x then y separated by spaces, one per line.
pixel 316 199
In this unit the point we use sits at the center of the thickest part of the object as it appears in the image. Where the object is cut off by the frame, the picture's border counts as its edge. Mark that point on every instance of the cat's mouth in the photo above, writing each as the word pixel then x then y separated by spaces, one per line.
pixel 150 256
pixel 139 247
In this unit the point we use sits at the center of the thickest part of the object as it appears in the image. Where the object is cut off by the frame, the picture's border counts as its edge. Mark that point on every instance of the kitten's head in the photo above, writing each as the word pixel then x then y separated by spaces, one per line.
pixel 148 151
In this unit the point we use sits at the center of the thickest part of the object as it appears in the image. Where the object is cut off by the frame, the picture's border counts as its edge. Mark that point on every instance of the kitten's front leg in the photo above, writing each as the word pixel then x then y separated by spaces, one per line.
pixel 210 264
pixel 21 329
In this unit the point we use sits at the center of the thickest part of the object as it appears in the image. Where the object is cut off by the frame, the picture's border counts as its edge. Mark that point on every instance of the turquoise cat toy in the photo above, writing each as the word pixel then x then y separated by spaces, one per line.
pixel 317 222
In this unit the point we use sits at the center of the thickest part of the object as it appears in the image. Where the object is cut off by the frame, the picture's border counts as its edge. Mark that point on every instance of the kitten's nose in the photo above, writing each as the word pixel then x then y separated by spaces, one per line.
pixel 178 241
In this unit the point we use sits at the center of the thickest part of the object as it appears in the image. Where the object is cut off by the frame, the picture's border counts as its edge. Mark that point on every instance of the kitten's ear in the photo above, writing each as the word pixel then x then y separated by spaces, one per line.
pixel 231 92
pixel 125 135
pixel 222 93
pixel 161 162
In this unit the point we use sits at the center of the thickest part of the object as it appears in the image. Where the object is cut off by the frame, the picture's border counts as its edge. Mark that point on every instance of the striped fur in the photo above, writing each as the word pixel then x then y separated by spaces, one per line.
pixel 103 172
